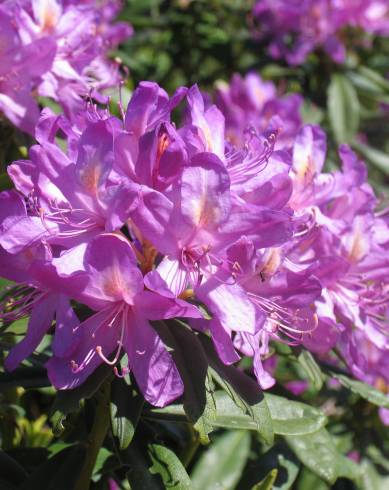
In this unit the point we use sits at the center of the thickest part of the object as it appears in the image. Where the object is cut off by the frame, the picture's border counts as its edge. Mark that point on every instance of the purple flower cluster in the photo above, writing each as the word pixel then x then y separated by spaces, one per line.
pixel 252 103
pixel 298 27
pixel 56 49
pixel 240 233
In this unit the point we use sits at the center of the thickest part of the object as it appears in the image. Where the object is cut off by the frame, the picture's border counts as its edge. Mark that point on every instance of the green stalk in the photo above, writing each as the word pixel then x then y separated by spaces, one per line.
pixel 96 437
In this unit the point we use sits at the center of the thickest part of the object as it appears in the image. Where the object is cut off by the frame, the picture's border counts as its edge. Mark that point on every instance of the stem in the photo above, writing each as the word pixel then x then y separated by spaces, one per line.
pixel 190 450
pixel 96 437
pixel 8 421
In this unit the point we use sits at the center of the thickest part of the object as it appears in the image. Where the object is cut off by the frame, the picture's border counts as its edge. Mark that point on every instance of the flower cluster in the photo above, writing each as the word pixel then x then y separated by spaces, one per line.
pixel 251 103
pixel 56 49
pixel 232 228
pixel 296 28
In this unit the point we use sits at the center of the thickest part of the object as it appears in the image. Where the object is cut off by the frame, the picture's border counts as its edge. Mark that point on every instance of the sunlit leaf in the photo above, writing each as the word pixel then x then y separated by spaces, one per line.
pixel 364 390
pixel 318 452
pixel 311 369
pixel 243 391
pixel 268 482
pixel 169 467
pixel 378 158
pixel 343 108
pixel 125 409
pixel 222 463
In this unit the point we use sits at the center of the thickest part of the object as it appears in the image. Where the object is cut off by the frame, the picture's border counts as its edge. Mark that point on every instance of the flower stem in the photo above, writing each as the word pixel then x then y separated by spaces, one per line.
pixel 96 436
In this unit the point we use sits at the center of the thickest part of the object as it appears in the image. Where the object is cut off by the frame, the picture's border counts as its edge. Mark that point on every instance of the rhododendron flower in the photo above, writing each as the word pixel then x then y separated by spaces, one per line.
pixel 251 104
pixel 22 66
pixel 58 49
pixel 70 197
pixel 296 28
pixel 114 288
pixel 143 220
pixel 30 296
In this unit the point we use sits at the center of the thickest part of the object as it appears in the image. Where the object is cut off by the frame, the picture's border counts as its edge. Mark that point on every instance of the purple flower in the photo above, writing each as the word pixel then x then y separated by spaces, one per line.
pixel 70 197
pixel 139 216
pixel 22 66
pixel 251 104
pixel 59 50
pixel 296 28
pixel 30 296
pixel 115 290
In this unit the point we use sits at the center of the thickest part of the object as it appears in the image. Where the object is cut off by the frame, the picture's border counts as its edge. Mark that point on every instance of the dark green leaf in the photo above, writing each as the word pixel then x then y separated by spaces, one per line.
pixel 192 365
pixel 60 472
pixel 68 401
pixel 222 463
pixel 29 457
pixel 343 108
pixel 27 377
pixel 169 467
pixel 11 470
pixel 243 390
pixel 139 476
pixel 125 408
pixel 318 452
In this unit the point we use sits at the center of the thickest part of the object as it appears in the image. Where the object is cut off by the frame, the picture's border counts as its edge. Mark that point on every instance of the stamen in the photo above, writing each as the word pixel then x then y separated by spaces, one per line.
pixel 124 372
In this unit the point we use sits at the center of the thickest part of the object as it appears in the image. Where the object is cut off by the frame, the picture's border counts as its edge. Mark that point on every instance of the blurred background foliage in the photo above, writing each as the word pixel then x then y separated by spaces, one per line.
pixel 47 435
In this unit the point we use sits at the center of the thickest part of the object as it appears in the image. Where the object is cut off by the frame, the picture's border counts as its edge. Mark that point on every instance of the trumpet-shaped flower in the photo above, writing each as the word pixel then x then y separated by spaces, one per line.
pixel 114 289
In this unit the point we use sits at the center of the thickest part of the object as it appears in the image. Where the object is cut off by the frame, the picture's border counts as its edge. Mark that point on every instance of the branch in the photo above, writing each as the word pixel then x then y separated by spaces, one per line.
pixel 96 437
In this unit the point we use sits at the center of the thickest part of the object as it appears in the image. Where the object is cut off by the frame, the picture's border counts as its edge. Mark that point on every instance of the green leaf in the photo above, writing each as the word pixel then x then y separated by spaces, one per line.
pixel 294 418
pixel 371 478
pixel 169 467
pixel 374 77
pixel 308 481
pixel 11 470
pixel 222 463
pixel 268 482
pixel 378 158
pixel 27 377
pixel 68 401
pixel 243 390
pixel 279 457
pixel 364 85
pixel 318 452
pixel 343 108
pixel 192 365
pixel 125 409
pixel 363 390
pixel 288 417
pixel 139 476
pixel 5 182
pixel 102 457
pixel 60 472
pixel 312 369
